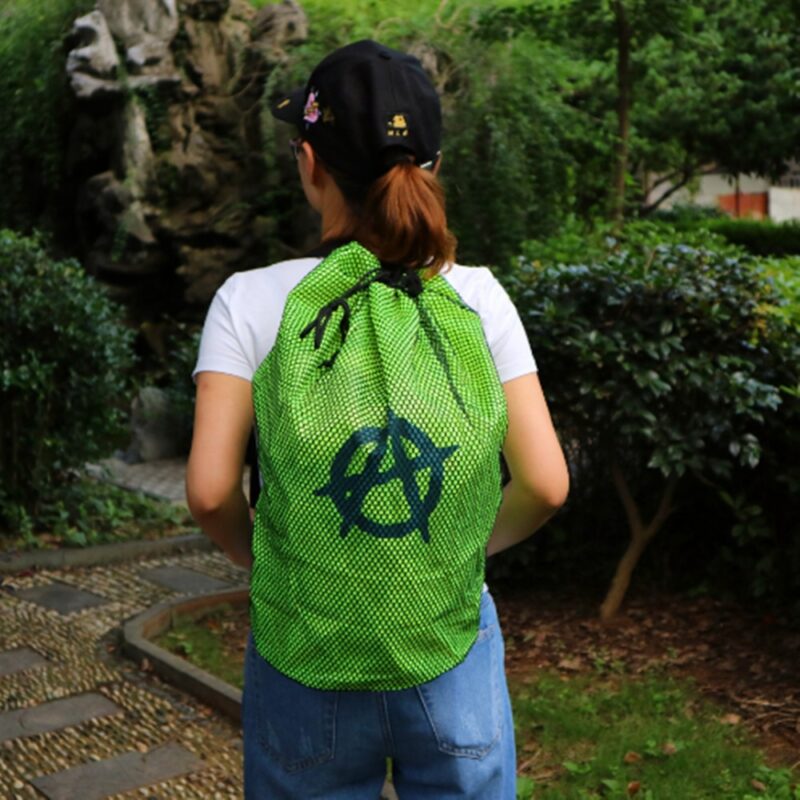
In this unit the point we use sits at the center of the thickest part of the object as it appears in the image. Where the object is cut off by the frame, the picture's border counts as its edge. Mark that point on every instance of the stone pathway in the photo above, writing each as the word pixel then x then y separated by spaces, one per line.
pixel 78 721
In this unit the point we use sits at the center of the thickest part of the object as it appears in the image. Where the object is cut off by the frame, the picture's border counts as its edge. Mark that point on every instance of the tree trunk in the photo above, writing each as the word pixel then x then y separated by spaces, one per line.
pixel 622 577
pixel 641 534
pixel 624 99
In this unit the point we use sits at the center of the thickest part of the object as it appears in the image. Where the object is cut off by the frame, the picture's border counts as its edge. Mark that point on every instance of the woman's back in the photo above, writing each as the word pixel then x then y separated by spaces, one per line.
pixel 447 369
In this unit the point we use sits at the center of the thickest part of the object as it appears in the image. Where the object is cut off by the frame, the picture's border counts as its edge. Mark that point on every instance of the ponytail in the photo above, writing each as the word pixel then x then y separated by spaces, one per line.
pixel 401 217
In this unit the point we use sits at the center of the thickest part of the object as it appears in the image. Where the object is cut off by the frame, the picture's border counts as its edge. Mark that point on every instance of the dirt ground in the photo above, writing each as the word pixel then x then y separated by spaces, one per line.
pixel 748 663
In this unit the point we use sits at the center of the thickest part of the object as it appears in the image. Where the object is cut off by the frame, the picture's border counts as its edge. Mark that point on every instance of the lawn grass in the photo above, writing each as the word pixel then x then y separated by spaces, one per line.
pixel 199 640
pixel 613 736
pixel 602 734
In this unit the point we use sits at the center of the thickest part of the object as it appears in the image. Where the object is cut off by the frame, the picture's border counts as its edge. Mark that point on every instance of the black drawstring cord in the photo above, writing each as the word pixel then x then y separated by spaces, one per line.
pixel 407 280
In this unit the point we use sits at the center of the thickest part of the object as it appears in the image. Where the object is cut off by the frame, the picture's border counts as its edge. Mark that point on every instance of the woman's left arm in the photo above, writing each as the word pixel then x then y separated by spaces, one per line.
pixel 222 424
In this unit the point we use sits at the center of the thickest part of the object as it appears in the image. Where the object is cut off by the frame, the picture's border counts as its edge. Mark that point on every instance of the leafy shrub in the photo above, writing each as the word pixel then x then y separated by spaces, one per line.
pixel 761 238
pixel 758 237
pixel 508 174
pixel 785 274
pixel 38 107
pixel 65 361
pixel 686 215
pixel 661 362
pixel 86 512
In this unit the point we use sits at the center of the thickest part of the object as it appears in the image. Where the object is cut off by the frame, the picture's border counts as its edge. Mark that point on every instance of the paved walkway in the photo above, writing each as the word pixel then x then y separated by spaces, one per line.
pixel 77 720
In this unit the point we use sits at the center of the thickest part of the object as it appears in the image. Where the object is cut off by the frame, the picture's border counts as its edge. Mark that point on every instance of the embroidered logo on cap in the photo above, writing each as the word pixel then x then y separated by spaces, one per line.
pixel 397 125
pixel 311 111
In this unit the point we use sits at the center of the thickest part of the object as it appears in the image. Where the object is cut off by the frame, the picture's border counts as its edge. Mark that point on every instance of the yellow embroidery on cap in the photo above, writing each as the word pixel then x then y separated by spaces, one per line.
pixel 284 103
pixel 397 125
pixel 328 116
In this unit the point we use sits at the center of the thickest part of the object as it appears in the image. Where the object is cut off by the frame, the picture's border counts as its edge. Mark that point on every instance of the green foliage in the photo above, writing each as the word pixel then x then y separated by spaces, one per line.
pixel 739 58
pixel 669 355
pixel 506 171
pixel 587 725
pixel 154 104
pixel 507 174
pixel 38 108
pixel 198 639
pixel 785 273
pixel 686 216
pixel 175 347
pixel 85 512
pixel 65 360
pixel 760 237
pixel 654 354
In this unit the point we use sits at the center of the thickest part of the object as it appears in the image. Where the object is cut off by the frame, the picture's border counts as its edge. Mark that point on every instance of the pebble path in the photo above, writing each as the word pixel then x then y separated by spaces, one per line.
pixel 80 722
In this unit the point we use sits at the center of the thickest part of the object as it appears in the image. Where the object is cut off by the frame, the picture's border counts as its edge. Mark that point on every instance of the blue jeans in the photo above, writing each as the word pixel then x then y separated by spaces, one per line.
pixel 451 737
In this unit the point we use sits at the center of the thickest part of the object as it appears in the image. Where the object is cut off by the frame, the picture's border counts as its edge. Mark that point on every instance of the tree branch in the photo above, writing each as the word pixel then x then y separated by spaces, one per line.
pixel 664 508
pixel 687 176
pixel 631 509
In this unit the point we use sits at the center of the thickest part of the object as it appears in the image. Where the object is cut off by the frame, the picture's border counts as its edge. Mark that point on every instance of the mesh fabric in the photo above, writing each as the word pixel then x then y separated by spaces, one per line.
pixel 380 482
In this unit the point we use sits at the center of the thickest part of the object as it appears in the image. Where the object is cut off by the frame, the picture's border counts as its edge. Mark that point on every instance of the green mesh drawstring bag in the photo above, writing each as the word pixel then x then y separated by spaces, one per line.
pixel 379 419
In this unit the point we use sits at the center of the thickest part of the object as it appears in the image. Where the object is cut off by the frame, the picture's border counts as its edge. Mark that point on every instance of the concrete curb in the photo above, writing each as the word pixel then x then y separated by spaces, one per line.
pixel 102 553
pixel 137 632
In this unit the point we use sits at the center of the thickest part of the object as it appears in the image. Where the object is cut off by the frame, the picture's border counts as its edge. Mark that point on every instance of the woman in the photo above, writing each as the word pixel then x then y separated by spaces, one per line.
pixel 368 152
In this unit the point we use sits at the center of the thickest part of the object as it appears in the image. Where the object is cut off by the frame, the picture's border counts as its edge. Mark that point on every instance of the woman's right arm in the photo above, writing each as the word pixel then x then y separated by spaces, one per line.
pixel 539 476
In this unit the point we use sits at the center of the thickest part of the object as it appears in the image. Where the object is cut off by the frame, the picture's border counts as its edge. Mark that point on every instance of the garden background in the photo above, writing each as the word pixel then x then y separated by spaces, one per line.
pixel 141 168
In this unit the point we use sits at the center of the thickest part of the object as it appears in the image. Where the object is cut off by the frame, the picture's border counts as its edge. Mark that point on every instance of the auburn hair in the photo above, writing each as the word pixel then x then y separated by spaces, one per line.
pixel 400 217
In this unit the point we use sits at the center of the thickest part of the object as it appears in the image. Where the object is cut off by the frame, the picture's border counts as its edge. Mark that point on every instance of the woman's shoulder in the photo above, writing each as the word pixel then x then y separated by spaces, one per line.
pixel 277 279
pixel 477 286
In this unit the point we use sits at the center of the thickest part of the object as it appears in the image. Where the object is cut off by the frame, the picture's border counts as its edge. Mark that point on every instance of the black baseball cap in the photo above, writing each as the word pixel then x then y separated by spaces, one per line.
pixel 366 107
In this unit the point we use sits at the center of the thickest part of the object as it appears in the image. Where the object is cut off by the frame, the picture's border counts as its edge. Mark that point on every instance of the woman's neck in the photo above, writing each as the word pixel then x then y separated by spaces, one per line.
pixel 337 222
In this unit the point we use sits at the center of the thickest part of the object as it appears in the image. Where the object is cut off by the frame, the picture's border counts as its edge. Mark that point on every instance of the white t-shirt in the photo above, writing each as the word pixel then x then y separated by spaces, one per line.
pixel 242 322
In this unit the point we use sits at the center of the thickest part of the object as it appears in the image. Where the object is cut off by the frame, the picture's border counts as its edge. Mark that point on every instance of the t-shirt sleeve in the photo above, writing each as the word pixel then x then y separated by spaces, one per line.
pixel 221 348
pixel 505 334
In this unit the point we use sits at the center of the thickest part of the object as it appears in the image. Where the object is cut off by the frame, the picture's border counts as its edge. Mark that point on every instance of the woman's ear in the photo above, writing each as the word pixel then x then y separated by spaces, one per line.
pixel 310 167
pixel 315 168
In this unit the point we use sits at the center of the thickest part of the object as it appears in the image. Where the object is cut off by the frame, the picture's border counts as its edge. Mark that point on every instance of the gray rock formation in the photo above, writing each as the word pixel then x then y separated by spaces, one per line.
pixel 157 430
pixel 167 145
pixel 93 64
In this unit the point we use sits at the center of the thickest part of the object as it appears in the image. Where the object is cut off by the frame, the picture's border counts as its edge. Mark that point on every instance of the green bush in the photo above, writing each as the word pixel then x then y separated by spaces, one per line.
pixel 686 215
pixel 38 107
pixel 65 362
pixel 761 238
pixel 664 363
pixel 86 512
pixel 785 274
pixel 758 237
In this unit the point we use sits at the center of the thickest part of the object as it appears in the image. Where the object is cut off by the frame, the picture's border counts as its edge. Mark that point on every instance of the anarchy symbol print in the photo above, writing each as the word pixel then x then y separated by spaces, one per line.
pixel 349 488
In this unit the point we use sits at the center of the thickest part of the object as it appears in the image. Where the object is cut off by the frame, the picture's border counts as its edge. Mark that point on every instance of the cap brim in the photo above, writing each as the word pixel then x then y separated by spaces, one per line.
pixel 290 107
